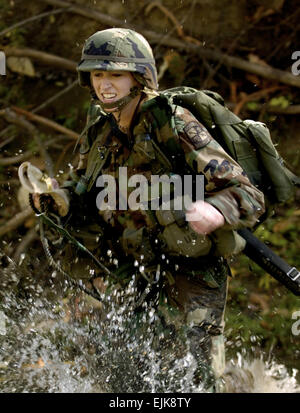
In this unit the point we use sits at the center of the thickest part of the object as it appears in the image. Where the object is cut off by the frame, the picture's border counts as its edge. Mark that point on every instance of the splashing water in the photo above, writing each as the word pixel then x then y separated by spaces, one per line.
pixel 258 376
pixel 42 351
pixel 60 345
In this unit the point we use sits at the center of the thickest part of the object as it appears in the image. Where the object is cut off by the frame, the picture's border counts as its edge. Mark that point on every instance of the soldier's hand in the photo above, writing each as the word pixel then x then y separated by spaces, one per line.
pixel 203 218
pixel 46 199
pixel 36 200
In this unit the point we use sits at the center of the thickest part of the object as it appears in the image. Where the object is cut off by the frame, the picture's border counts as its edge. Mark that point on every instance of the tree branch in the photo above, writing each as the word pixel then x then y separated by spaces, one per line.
pixel 42 57
pixel 15 159
pixel 27 239
pixel 290 110
pixel 250 67
pixel 16 221
pixel 38 109
pixel 12 117
pixel 31 19
pixel 47 122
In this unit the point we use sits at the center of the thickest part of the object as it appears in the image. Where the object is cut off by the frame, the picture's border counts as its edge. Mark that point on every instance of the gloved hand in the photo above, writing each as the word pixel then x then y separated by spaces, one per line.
pixel 37 183
pixel 203 218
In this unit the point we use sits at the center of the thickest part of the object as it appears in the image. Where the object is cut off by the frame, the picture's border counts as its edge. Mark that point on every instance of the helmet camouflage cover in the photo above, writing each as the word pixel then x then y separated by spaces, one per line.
pixel 118 50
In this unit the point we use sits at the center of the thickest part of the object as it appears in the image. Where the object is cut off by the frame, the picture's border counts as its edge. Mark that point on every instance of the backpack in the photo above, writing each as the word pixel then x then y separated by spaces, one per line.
pixel 248 142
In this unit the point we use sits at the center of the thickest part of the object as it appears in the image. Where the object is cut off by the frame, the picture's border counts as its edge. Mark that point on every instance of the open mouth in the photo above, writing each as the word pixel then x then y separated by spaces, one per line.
pixel 108 97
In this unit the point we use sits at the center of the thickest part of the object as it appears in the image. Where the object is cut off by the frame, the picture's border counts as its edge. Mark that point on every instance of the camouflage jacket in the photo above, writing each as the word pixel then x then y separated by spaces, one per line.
pixel 159 131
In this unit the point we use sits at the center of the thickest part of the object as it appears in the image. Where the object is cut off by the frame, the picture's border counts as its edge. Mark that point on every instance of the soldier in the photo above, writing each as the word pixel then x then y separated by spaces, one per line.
pixel 130 125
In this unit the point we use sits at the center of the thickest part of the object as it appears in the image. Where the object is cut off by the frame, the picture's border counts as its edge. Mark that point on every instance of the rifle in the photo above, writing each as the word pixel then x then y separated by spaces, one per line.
pixel 262 255
pixel 255 249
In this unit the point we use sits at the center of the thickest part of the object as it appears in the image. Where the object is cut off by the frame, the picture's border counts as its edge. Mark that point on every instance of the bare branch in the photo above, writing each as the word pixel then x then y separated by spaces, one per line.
pixel 31 19
pixel 290 110
pixel 253 96
pixel 12 117
pixel 27 239
pixel 15 159
pixel 16 221
pixel 250 67
pixel 54 97
pixel 38 109
pixel 42 57
pixel 47 122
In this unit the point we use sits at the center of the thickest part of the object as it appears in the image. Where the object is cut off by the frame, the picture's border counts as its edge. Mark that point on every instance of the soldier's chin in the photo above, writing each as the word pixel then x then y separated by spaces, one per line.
pixel 111 110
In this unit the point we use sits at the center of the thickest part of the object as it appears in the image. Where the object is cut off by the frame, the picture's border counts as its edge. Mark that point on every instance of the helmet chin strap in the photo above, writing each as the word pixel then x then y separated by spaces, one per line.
pixel 121 103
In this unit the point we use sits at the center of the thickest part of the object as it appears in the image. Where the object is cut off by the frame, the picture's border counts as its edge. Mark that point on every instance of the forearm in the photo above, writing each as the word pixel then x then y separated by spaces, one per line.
pixel 241 204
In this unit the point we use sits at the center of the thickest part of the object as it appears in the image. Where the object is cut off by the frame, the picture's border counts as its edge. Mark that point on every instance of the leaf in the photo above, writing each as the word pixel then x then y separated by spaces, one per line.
pixel 22 65
pixel 252 105
pixel 281 101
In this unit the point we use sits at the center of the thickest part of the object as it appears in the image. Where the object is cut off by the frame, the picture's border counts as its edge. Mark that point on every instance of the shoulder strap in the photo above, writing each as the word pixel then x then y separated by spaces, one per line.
pixel 247 141
pixel 94 114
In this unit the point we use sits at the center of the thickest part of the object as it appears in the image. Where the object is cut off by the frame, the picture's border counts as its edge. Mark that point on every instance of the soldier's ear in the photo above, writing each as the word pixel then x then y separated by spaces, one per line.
pixel 138 78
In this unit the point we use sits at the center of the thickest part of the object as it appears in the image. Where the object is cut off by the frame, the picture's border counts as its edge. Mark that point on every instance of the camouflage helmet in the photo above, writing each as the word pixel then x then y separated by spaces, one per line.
pixel 121 50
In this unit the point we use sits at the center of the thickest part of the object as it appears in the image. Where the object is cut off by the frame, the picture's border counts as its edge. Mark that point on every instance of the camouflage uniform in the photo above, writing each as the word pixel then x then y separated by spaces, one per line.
pixel 194 282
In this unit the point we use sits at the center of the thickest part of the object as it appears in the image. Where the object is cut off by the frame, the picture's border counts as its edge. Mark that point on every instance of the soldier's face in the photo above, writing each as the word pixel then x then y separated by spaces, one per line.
pixel 111 86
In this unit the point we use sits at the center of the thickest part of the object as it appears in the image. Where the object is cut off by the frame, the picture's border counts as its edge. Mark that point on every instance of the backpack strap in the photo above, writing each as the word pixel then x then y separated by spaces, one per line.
pixel 247 141
pixel 294 178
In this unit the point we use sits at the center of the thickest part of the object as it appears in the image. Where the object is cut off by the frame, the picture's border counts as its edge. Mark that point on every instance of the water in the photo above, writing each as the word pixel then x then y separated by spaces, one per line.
pixel 56 341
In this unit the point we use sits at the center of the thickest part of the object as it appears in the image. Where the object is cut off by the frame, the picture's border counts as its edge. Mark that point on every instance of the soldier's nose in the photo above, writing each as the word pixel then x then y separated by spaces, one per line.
pixel 105 84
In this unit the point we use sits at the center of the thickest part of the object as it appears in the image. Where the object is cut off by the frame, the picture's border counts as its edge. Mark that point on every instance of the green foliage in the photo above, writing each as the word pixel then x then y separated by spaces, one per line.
pixel 70 119
pixel 281 101
pixel 13 94
pixel 252 105
pixel 17 37
pixel 259 310
pixel 3 90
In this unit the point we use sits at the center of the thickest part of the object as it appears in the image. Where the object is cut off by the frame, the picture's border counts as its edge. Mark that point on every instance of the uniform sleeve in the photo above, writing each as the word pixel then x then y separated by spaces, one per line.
pixel 227 187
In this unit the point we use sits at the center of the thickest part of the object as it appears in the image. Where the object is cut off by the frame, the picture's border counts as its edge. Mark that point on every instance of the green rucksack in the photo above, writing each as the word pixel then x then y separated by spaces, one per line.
pixel 247 141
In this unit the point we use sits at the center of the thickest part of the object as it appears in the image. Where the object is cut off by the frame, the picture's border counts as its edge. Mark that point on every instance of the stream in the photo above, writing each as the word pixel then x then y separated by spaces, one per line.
pixel 55 340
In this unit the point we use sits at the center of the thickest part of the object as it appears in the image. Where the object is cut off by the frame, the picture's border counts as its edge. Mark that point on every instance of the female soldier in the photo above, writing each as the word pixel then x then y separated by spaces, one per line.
pixel 133 129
